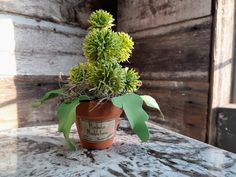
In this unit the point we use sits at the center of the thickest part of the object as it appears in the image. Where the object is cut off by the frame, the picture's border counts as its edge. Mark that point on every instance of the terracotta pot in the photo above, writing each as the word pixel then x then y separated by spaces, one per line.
pixel 97 124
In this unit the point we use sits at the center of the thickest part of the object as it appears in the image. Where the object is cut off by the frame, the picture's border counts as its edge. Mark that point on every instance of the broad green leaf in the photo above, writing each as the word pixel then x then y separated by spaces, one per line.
pixel 49 95
pixel 132 106
pixel 151 102
pixel 67 114
pixel 118 101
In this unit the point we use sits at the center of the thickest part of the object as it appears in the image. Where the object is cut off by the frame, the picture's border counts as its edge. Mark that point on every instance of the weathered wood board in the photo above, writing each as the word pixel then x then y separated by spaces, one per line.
pixel 136 15
pixel 16 96
pixel 222 60
pixel 29 47
pixel 163 30
pixel 175 70
pixel 184 104
pixel 181 55
pixel 172 53
pixel 65 11
pixel 72 12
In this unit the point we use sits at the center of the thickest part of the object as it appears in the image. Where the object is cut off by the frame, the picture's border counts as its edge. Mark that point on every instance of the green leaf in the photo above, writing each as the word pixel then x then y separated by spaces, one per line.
pixel 132 106
pixel 118 101
pixel 67 114
pixel 49 95
pixel 151 102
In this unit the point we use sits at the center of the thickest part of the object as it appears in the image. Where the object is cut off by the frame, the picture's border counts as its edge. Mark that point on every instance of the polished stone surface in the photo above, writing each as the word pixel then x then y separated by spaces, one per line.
pixel 40 151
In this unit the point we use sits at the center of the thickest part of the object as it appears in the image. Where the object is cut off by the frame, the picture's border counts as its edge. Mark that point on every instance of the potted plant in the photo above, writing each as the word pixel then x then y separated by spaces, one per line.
pixel 99 90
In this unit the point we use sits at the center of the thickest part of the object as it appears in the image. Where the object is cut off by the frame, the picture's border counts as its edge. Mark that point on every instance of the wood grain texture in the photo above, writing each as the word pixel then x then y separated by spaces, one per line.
pixel 17 95
pixel 180 55
pixel 38 48
pixel 171 28
pixel 61 11
pixel 184 104
pixel 222 61
pixel 172 54
pixel 136 15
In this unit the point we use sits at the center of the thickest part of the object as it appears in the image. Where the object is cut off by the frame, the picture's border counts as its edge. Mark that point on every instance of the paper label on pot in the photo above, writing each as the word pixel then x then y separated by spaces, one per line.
pixel 97 131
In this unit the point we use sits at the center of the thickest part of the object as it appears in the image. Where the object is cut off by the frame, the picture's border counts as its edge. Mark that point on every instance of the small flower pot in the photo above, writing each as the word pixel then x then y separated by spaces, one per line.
pixel 97 124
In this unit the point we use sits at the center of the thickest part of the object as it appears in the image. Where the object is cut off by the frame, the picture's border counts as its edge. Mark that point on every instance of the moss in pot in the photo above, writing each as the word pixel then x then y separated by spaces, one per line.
pixel 99 90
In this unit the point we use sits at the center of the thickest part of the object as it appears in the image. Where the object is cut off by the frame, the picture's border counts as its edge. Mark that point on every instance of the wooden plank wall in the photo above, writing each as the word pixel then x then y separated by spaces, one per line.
pixel 39 39
pixel 222 63
pixel 172 53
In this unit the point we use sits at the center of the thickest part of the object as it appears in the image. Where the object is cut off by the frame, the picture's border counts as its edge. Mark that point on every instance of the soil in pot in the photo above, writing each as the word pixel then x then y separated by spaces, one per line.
pixel 97 124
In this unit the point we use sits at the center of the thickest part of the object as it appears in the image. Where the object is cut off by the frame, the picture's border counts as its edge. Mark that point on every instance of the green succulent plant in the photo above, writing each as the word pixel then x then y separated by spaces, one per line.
pixel 132 82
pixel 105 44
pixel 78 74
pixel 103 77
pixel 126 45
pixel 101 44
pixel 107 79
pixel 101 19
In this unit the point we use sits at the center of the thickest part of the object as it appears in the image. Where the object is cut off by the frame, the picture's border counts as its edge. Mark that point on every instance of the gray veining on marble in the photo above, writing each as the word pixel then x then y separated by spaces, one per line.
pixel 40 151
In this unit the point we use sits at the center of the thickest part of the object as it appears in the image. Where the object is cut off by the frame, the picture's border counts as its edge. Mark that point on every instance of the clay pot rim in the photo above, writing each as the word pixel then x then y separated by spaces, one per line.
pixel 97 103
pixel 91 108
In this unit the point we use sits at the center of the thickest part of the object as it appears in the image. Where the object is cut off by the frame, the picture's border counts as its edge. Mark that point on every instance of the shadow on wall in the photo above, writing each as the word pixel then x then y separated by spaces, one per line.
pixel 33 52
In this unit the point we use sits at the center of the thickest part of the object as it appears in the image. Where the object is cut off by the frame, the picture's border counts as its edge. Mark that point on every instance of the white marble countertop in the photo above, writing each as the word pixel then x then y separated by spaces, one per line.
pixel 41 151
